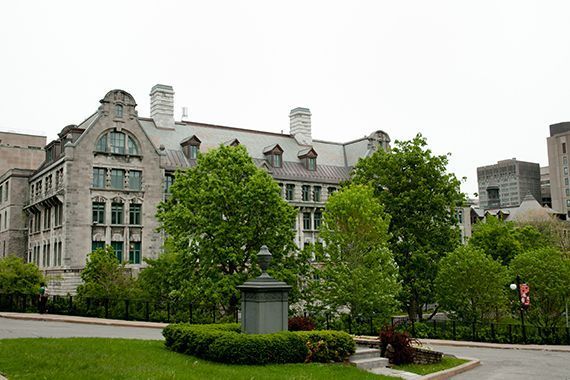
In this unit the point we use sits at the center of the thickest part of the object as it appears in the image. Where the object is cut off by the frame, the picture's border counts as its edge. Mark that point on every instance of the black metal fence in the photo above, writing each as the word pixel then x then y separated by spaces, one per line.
pixel 166 311
pixel 485 332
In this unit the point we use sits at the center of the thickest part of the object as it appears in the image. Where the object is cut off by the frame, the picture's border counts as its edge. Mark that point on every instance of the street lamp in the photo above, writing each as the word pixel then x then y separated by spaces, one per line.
pixel 523 301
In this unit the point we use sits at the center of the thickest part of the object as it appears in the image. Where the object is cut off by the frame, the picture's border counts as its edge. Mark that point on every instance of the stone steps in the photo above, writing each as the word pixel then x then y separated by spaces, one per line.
pixel 368 359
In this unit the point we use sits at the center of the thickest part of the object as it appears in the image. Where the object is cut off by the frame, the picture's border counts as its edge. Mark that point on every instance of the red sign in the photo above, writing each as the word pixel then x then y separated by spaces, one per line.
pixel 524 292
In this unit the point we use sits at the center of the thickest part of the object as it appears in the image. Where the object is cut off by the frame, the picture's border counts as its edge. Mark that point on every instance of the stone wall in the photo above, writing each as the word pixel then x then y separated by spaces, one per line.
pixel 423 356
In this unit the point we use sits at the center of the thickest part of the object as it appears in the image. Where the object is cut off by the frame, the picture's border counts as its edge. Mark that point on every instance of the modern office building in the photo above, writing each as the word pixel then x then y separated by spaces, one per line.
pixel 506 183
pixel 102 180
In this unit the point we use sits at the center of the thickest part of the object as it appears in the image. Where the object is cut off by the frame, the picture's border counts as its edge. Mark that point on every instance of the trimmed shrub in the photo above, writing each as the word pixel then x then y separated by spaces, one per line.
pixel 225 344
pixel 301 324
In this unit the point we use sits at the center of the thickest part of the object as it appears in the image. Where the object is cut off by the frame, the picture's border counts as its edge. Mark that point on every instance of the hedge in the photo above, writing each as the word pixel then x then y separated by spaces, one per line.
pixel 226 344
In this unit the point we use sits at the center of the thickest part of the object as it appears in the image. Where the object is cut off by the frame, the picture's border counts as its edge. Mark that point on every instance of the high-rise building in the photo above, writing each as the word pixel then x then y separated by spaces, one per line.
pixel 506 183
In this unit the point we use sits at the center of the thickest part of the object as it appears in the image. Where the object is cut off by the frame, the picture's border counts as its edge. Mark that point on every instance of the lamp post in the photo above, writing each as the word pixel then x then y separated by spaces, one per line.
pixel 522 304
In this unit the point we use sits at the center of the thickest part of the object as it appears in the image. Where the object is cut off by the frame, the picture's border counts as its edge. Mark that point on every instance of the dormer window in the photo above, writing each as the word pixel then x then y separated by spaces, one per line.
pixel 118 110
pixel 191 147
pixel 274 155
pixel 309 158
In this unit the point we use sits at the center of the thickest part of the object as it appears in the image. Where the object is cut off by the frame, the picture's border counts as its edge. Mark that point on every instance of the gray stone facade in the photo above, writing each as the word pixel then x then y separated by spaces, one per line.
pixel 102 180
pixel 558 153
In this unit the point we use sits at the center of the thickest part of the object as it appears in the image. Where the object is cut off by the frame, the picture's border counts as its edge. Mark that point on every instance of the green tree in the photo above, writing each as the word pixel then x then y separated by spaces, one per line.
pixel 358 270
pixel 471 286
pixel 505 240
pixel 218 216
pixel 547 273
pixel 104 277
pixel 18 277
pixel 420 196
pixel 556 232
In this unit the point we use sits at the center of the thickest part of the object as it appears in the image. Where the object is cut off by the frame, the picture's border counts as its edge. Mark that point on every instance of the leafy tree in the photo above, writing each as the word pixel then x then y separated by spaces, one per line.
pixel 104 277
pixel 358 271
pixel 505 240
pixel 555 231
pixel 471 286
pixel 16 276
pixel 547 273
pixel 420 196
pixel 218 216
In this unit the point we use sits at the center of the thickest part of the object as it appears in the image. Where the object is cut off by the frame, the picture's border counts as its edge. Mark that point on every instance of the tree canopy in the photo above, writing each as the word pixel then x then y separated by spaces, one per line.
pixel 420 196
pixel 16 276
pixel 358 271
pixel 218 215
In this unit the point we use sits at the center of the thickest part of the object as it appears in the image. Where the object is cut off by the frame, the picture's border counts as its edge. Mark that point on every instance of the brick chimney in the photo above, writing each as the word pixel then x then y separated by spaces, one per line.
pixel 162 106
pixel 300 125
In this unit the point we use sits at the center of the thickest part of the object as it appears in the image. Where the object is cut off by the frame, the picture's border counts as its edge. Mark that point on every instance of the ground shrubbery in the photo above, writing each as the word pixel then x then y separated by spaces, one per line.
pixel 224 343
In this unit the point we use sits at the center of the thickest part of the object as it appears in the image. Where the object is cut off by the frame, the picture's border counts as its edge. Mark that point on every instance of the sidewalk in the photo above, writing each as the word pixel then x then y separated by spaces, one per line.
pixel 456 343
pixel 86 320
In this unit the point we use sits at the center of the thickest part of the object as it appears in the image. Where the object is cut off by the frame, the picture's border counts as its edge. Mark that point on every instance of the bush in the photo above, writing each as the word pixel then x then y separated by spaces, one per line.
pixel 403 352
pixel 224 343
pixel 301 324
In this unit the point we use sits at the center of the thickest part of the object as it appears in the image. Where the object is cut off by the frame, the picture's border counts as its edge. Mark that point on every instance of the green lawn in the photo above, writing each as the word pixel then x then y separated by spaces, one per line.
pixel 424 369
pixel 98 358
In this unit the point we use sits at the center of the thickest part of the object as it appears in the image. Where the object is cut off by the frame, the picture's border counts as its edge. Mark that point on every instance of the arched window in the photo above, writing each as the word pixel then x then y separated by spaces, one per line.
pixel 132 146
pixel 117 143
pixel 102 144
pixel 118 110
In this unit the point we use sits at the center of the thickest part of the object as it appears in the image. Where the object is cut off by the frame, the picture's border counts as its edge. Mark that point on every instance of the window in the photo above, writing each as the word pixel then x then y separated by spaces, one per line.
pixel 99 177
pixel 58 211
pixel 133 150
pixel 118 110
pixel 290 192
pixel 566 181
pixel 2 190
pixel 194 149
pixel 102 144
pixel 317 193
pixel 567 192
pixel 135 253
pixel 0 222
pixel 317 217
pixel 6 187
pixel 116 213
pixel 331 190
pixel 568 202
pixel 117 142
pixel 305 192
pixel 566 170
pixel 135 180
pixel 168 181
pixel 563 148
pixel 565 161
pixel 135 214
pixel 306 221
pixel 117 178
pixel 47 218
pixel 95 245
pixel 312 163
pixel 57 254
pixel 99 212
pixel 277 160
pixel 49 154
pixel 118 249
pixel 6 220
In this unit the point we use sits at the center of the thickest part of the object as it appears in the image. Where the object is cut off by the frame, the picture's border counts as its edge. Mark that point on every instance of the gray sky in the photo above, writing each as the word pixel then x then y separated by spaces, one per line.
pixel 480 79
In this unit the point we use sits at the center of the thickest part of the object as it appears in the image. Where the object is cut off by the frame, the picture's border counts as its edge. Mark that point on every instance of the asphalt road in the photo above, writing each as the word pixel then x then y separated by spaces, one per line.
pixel 506 364
pixel 14 328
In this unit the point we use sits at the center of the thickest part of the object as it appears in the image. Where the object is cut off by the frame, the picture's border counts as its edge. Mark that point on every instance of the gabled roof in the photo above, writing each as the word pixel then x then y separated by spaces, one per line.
pixel 307 152
pixel 192 140
pixel 272 149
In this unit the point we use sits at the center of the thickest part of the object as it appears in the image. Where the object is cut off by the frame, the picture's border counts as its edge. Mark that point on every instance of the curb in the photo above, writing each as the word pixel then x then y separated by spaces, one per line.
pixel 84 320
pixel 447 373
pixel 530 347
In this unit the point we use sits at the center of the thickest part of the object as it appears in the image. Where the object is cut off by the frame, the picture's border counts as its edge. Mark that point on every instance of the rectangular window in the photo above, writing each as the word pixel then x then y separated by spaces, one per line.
pixel 317 217
pixel 135 253
pixel 565 160
pixel 563 148
pixel 277 160
pixel 312 163
pixel 568 202
pixel 118 249
pixel 135 179
pixel 117 179
pixel 116 213
pixel 99 212
pixel 193 152
pixel 6 187
pixel 135 214
pixel 58 215
pixel 2 191
pixel 306 221
pixel 290 192
pixel 47 218
pixel 305 192
pixel 95 245
pixel 48 255
pixel 99 177
pixel 316 193
pixel 59 252
pixel 117 142
pixel 566 170
pixel 168 181
pixel 331 190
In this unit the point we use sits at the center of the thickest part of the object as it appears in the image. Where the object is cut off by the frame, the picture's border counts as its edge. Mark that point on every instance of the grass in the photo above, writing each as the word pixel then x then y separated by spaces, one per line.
pixel 424 369
pixel 100 358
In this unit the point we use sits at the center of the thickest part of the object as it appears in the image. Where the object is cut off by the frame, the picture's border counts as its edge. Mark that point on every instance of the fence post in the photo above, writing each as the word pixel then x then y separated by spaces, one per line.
pixel 510 333
pixel 70 306
pixel 126 310
pixel 493 332
pixel 106 305
pixel 473 334
pixel 371 327
pixel 567 335
pixel 434 329
pixel 146 311
pixel 24 299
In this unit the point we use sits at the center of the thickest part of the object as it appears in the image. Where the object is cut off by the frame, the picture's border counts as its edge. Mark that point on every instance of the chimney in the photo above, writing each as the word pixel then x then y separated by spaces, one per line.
pixel 300 125
pixel 162 106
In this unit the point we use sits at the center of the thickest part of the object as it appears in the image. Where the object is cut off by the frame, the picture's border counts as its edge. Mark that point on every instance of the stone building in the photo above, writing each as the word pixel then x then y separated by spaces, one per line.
pixel 557 145
pixel 506 183
pixel 102 180
pixel 19 154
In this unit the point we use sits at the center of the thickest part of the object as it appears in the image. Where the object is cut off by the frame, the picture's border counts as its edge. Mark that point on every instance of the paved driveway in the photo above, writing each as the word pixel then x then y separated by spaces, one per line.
pixel 14 328
pixel 507 364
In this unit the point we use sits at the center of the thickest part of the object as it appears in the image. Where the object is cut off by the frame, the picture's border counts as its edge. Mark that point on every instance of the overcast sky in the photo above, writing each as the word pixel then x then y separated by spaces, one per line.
pixel 481 80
